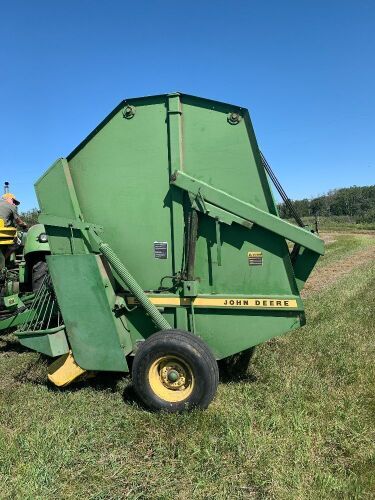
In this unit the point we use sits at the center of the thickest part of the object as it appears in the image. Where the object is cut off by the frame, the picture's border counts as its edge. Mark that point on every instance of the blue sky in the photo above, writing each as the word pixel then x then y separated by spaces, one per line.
pixel 304 68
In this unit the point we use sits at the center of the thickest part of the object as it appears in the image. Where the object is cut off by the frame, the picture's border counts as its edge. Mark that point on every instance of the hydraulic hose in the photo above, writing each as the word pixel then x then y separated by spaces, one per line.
pixel 133 286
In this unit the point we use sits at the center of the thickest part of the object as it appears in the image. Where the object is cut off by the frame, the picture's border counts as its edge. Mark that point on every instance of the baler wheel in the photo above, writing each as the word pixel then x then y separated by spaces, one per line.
pixel 174 371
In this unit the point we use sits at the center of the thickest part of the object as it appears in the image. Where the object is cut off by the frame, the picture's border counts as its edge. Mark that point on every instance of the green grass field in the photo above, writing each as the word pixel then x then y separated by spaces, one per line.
pixel 344 246
pixel 338 223
pixel 300 426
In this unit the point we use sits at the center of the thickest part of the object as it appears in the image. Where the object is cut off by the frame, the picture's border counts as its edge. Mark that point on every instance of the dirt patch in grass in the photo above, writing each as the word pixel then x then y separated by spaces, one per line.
pixel 323 277
pixel 331 236
pixel 328 239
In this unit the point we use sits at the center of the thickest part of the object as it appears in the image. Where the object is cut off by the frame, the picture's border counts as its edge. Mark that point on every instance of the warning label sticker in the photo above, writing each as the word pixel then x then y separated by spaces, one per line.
pixel 255 258
pixel 161 249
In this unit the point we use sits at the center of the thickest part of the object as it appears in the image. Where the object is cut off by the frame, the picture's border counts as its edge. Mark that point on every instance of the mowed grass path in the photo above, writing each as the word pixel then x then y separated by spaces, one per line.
pixel 346 245
pixel 301 426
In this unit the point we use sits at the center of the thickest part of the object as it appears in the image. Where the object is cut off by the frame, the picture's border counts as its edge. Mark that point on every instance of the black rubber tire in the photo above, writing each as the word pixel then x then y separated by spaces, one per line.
pixel 38 273
pixel 191 350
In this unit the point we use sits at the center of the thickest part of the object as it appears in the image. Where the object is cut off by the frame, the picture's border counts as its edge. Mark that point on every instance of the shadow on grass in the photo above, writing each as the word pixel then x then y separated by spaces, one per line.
pixel 35 372
pixel 231 371
pixel 130 398
pixel 236 368
pixel 11 345
pixel 239 379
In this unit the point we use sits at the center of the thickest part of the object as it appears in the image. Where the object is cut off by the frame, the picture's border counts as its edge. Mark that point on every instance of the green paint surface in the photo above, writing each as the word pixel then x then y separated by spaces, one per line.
pixel 89 322
pixel 49 344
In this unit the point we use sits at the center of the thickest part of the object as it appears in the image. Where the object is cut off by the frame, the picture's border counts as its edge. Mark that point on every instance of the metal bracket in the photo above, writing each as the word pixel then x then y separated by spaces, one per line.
pixel 88 229
pixel 128 112
pixel 190 288
pixel 249 213
pixel 199 201
pixel 11 301
pixel 234 118
pixel 54 220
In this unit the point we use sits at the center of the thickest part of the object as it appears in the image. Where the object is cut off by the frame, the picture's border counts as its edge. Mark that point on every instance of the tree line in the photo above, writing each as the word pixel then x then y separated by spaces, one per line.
pixel 30 216
pixel 357 203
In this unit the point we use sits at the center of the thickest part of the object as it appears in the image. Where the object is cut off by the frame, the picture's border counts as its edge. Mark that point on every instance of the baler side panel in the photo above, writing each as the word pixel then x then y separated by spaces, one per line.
pixel 56 197
pixel 229 332
pixel 227 158
pixel 235 275
pixel 223 155
pixel 121 177
pixel 88 319
pixel 303 266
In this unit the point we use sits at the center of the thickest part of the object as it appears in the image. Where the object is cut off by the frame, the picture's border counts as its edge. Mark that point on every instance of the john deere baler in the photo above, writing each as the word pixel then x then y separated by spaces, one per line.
pixel 167 251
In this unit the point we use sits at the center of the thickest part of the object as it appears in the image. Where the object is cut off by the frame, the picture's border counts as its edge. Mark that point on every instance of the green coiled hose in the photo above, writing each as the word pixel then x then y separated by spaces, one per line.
pixel 133 286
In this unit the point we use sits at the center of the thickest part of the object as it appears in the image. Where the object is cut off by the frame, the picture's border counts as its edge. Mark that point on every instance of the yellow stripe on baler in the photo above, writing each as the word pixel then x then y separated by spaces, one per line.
pixel 225 302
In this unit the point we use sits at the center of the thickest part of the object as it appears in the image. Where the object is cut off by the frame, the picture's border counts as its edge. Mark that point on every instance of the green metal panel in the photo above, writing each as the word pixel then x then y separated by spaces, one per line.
pixel 53 345
pixel 56 196
pixel 304 264
pixel 225 331
pixel 273 277
pixel 225 156
pixel 228 332
pixel 89 321
pixel 122 175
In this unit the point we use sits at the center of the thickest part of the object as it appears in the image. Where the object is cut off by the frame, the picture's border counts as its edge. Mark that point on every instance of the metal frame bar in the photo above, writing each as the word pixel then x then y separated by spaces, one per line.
pixel 247 211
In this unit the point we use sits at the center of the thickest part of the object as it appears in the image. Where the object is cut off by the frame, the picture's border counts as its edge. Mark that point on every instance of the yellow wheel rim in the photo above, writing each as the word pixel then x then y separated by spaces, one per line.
pixel 171 379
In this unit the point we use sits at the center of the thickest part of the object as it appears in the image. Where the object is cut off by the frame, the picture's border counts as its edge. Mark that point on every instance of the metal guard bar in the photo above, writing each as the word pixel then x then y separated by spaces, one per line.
pixel 48 331
pixel 247 211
